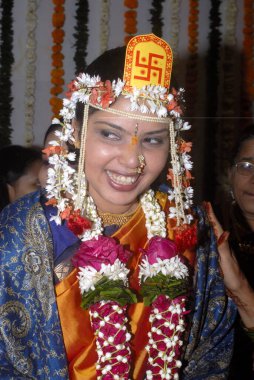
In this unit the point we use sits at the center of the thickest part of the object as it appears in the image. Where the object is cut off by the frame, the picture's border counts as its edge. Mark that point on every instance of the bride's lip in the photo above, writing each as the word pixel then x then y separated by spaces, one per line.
pixel 122 182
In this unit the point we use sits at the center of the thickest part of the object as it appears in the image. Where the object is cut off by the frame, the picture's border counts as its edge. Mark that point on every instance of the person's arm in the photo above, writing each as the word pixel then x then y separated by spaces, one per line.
pixel 236 283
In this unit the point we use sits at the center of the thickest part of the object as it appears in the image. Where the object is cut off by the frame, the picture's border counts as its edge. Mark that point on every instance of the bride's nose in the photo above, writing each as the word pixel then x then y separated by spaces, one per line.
pixel 129 156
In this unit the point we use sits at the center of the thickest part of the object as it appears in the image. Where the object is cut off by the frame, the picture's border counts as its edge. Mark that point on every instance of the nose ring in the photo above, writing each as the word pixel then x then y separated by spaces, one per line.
pixel 142 164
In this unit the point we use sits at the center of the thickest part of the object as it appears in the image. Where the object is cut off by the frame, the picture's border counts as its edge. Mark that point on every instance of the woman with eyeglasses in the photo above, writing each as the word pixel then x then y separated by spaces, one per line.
pixel 241 217
pixel 239 221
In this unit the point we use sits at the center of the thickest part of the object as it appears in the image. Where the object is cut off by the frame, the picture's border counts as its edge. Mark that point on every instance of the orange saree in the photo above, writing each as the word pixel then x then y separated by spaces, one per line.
pixel 75 322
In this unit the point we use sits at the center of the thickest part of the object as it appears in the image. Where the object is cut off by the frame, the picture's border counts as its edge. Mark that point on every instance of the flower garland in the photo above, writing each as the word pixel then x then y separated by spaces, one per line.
pixel 229 89
pixel 103 283
pixel 57 73
pixel 163 277
pixel 192 64
pixel 212 84
pixel 104 286
pixel 104 27
pixel 81 35
pixel 175 30
pixel 130 19
pixel 31 21
pixel 6 61
pixel 248 59
pixel 156 17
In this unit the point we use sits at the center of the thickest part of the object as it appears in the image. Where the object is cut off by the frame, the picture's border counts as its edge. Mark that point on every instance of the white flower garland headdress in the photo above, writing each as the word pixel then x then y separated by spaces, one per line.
pixel 153 102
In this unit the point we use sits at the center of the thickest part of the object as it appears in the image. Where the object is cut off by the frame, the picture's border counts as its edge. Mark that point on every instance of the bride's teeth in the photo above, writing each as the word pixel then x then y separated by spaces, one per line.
pixel 122 180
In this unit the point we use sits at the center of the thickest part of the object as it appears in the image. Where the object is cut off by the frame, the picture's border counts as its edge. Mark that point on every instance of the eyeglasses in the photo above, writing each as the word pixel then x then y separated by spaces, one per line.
pixel 245 168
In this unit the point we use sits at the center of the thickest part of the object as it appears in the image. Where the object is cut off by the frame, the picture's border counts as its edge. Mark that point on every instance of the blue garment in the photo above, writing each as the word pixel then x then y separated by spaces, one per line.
pixel 210 345
pixel 31 342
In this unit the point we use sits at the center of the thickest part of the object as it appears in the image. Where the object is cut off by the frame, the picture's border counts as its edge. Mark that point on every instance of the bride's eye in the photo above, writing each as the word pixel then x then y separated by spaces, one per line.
pixel 109 135
pixel 153 140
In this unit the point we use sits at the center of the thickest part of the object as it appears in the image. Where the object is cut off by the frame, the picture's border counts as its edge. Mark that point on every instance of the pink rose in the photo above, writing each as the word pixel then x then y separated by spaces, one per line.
pixel 104 250
pixel 160 248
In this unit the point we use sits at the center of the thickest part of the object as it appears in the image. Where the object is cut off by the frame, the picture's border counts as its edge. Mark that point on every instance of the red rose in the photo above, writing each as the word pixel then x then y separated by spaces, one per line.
pixel 160 248
pixel 104 250
pixel 78 224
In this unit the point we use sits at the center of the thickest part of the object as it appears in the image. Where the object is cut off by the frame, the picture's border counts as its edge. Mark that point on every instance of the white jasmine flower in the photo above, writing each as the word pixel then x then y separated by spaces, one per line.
pixel 117 86
pixel 170 97
pixel 54 143
pixel 117 271
pixel 172 212
pixel 186 126
pixel 71 156
pixel 55 121
pixel 143 108
pixel 171 194
pixel 162 111
pixel 187 161
pixel 88 277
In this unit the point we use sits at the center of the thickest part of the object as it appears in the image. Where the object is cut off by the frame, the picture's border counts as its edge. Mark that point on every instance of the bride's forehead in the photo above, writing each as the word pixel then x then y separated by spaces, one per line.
pixel 126 123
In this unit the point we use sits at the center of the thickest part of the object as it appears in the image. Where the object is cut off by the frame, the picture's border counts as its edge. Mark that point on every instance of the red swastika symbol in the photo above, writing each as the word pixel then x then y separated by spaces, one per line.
pixel 149 66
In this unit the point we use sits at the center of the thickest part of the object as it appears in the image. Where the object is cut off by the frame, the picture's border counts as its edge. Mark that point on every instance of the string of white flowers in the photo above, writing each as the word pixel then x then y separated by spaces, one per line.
pixel 88 276
pixel 169 267
pixel 30 55
pixel 167 327
pixel 174 28
pixel 104 25
pixel 155 218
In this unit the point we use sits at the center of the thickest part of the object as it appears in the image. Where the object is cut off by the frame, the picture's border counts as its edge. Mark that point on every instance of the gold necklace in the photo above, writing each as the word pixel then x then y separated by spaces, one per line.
pixel 109 219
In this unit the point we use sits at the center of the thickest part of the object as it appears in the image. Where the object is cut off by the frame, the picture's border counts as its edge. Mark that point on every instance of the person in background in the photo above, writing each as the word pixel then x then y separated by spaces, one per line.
pixel 19 170
pixel 50 135
pixel 107 277
pixel 238 219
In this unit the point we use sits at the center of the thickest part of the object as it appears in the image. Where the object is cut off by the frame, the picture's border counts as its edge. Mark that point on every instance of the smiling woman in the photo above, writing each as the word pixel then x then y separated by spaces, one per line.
pixel 239 221
pixel 127 283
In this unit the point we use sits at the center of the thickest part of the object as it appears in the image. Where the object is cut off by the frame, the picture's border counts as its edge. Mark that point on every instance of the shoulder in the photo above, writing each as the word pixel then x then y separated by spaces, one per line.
pixel 20 206
pixel 21 222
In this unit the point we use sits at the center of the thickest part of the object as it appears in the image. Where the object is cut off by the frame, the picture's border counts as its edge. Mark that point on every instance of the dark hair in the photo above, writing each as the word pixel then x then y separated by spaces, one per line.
pixel 247 134
pixel 15 160
pixel 52 128
pixel 109 65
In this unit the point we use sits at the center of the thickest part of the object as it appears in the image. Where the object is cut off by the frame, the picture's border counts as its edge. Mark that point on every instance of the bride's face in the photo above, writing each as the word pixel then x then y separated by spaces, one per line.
pixel 111 159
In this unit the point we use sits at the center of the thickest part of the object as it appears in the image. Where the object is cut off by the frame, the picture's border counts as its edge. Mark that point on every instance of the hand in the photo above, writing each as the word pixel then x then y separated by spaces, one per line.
pixel 236 283
pixel 232 275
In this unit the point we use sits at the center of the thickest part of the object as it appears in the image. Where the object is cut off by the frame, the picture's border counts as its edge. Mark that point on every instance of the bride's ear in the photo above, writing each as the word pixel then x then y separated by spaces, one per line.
pixel 76 133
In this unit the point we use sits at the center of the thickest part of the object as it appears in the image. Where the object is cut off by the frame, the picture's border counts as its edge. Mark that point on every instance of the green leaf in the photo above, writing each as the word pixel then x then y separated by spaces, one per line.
pixel 161 284
pixel 108 290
